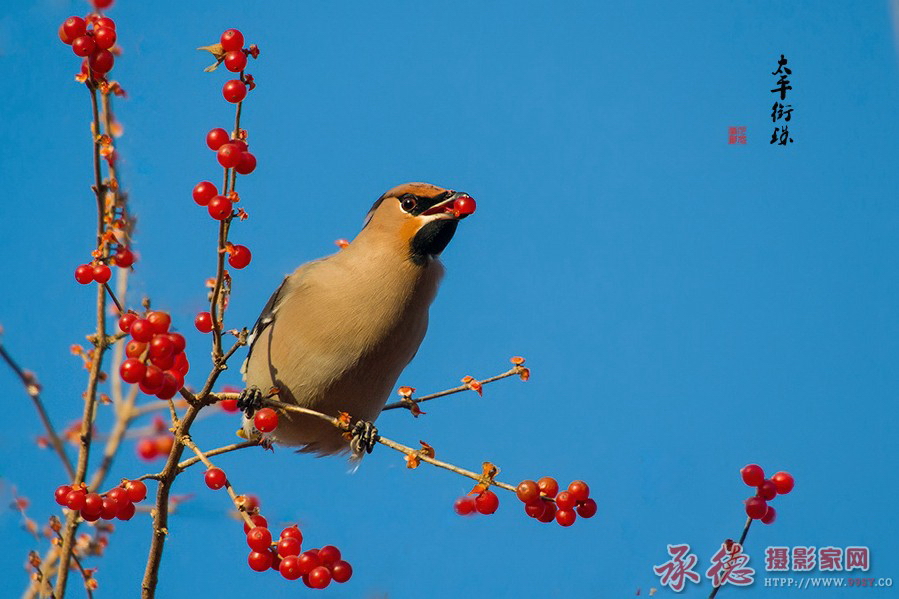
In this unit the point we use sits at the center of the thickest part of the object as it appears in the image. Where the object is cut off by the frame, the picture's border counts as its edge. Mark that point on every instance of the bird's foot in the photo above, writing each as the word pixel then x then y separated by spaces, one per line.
pixel 250 400
pixel 364 437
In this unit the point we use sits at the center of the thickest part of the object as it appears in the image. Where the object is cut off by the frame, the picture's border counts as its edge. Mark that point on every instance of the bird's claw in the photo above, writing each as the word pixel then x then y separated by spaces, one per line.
pixel 250 400
pixel 364 437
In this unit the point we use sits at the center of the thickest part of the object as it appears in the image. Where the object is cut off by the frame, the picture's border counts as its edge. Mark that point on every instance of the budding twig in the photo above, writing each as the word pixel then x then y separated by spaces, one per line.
pixel 33 390
pixel 406 402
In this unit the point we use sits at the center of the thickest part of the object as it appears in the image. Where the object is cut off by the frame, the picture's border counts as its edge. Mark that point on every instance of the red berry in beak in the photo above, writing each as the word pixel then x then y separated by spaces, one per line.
pixel 464 206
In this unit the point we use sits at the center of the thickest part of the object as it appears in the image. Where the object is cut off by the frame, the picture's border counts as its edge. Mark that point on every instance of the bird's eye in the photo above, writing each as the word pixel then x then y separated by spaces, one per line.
pixel 408 203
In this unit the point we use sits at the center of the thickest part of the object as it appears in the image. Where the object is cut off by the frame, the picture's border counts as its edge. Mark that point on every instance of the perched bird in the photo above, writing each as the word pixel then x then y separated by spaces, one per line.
pixel 338 332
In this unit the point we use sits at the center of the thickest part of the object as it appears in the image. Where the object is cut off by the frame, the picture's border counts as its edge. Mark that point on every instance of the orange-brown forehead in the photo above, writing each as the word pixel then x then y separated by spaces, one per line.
pixel 424 190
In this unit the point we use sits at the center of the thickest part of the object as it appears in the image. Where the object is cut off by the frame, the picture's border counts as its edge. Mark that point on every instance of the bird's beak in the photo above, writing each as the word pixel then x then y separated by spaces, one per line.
pixel 458 206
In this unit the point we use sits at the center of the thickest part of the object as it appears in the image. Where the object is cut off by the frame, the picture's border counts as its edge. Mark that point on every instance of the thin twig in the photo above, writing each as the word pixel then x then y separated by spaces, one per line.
pixel 99 348
pixel 33 390
pixel 405 403
pixel 203 458
pixel 214 452
pixel 742 539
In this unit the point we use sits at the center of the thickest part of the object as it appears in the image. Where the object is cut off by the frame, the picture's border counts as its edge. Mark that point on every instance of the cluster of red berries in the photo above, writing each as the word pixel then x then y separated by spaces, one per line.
pixel 234 57
pixel 767 489
pixel 101 273
pixel 115 503
pixel 91 39
pixel 150 448
pixel 317 567
pixel 155 356
pixel 567 506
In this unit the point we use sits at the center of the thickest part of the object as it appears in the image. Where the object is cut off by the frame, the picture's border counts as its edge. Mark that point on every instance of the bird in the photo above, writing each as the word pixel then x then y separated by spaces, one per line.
pixel 338 332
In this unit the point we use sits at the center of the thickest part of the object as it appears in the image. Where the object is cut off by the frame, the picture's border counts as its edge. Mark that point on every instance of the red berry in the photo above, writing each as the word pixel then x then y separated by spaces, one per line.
pixel 258 520
pixel 240 256
pixel 132 371
pixel 203 192
pixel 83 45
pixel 329 554
pixel 319 578
pixel 63 36
pixel 135 349
pixel 535 508
pixel 101 61
pixel 110 508
pixel 178 342
pixel 487 502
pixel 75 499
pixel 753 475
pixel 292 532
pixel 464 206
pixel 341 571
pixel 142 330
pixel 289 546
pixel 783 481
pixel 549 513
pixel 177 377
pixel 84 274
pixel 579 490
pixel 260 561
pixel 464 505
pixel 266 420
pixel 228 155
pixel 276 559
pixel 216 138
pixel 146 449
pixel 161 321
pixel 181 364
pixel 232 40
pixel 259 538
pixel 203 322
pixel 219 207
pixel 93 504
pixel 170 386
pixel 120 495
pixel 101 4
pixel 102 273
pixel 566 517
pixel 126 511
pixel 290 567
pixel 104 22
pixel 161 346
pixel 309 561
pixel 137 490
pixel 770 515
pixel 74 27
pixel 587 509
pixel 527 491
pixel 123 258
pixel 163 363
pixel 234 90
pixel 548 486
pixel 235 61
pixel 88 517
pixel 60 494
pixel 229 405
pixel 104 37
pixel 756 507
pixel 153 379
pixel 126 320
pixel 247 164
pixel 767 490
pixel 240 143
pixel 565 500
pixel 216 479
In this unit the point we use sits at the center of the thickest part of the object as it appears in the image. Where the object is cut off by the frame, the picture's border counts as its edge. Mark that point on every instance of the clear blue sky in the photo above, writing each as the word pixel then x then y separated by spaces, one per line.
pixel 686 305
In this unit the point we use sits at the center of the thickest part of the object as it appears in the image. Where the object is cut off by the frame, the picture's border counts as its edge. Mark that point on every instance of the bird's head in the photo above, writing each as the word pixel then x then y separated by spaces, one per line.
pixel 421 218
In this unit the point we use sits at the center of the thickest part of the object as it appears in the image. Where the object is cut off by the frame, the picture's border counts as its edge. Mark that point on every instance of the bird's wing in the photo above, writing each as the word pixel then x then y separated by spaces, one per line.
pixel 267 317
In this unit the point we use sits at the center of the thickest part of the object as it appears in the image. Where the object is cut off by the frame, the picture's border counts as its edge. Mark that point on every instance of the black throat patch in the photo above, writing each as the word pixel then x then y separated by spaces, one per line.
pixel 432 239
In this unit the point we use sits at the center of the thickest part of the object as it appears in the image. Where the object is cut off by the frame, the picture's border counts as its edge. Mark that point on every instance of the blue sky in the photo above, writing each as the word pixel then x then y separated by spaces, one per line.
pixel 686 306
